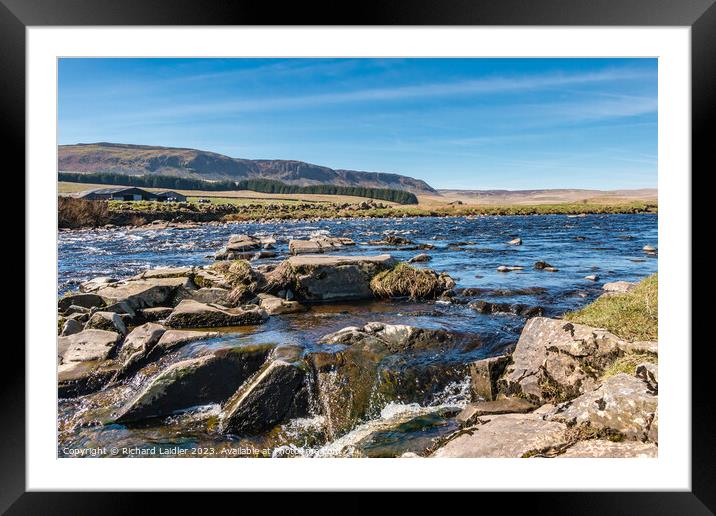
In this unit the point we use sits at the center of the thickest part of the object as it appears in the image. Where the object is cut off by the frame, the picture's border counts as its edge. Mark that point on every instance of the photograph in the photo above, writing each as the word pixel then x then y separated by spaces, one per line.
pixel 357 257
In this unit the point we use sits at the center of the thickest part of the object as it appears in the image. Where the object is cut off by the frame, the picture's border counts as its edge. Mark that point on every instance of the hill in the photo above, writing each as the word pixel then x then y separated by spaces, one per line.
pixel 552 196
pixel 197 164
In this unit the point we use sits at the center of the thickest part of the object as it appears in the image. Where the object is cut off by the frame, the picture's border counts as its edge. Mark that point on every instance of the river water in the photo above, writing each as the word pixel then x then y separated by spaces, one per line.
pixel 469 249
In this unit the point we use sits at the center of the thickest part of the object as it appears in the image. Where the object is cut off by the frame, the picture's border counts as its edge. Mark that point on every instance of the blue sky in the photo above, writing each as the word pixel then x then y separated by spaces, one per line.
pixel 456 123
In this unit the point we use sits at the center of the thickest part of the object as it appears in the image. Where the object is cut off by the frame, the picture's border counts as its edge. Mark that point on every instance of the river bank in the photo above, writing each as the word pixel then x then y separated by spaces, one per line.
pixel 76 213
pixel 377 354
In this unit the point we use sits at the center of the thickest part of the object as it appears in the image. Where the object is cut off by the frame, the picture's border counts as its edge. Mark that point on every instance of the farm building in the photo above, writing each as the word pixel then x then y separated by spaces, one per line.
pixel 119 193
pixel 170 196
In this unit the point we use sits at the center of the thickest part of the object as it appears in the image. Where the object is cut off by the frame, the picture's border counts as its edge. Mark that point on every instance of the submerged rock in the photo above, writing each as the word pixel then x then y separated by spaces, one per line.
pixel 206 379
pixel 506 436
pixel 276 394
pixel 555 360
pixel 193 314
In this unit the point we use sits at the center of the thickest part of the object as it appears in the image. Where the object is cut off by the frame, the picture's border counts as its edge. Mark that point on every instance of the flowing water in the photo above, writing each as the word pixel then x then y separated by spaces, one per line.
pixel 469 249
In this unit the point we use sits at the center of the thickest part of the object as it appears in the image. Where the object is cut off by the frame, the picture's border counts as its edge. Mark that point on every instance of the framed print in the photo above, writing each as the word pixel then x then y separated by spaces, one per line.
pixel 416 250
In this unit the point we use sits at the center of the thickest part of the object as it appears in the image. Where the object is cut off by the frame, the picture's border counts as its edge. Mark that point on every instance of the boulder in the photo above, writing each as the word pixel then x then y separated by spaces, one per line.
pixel 515 241
pixel 556 360
pixel 154 314
pixel 484 375
pixel 507 436
pixel 81 299
pixel 209 278
pixel 166 272
pixel 541 264
pixel 71 327
pixel 618 287
pixel 420 258
pixel 470 414
pixel 137 345
pixel 509 268
pixel 275 305
pixel 106 321
pixel 592 277
pixel 87 345
pixel 210 295
pixel 649 249
pixel 649 374
pixel 193 314
pixel 317 278
pixel 211 378
pixel 603 448
pixel 276 394
pixel 622 405
pixel 96 283
pixel 145 293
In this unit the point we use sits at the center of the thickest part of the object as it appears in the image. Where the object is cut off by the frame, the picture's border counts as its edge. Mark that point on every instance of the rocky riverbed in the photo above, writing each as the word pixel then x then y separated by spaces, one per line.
pixel 323 341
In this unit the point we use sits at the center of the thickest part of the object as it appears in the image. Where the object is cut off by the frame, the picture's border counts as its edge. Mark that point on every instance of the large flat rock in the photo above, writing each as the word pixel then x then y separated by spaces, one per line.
pixel 193 314
pixel 87 345
pixel 506 436
pixel 602 448
pixel 145 293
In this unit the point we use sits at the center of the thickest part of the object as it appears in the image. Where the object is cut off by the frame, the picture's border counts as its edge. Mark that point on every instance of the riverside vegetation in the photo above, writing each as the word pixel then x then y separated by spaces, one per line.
pixel 309 345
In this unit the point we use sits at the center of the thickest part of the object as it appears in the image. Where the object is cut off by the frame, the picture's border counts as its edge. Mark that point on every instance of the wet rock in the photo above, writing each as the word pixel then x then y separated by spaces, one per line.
pixel 484 375
pixel 145 293
pixel 592 277
pixel 392 240
pixel 166 272
pixel 603 448
pixel 275 305
pixel 395 337
pixel 193 314
pixel 88 345
pixel 71 327
pixel 509 268
pixel 515 241
pixel 274 395
pixel 80 299
pixel 473 411
pixel 211 378
pixel 555 360
pixel 649 249
pixel 328 278
pixel 505 436
pixel 318 245
pixel 239 247
pixel 137 345
pixel 540 264
pixel 622 405
pixel 486 307
pixel 551 269
pixel 106 321
pixel 174 339
pixel 420 258
pixel 80 378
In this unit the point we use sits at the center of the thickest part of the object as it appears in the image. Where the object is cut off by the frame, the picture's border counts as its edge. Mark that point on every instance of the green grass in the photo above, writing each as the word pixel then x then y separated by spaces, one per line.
pixel 632 316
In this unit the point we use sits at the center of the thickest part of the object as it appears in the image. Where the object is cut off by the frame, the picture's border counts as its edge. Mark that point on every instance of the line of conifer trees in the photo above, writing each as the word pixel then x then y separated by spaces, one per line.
pixel 255 185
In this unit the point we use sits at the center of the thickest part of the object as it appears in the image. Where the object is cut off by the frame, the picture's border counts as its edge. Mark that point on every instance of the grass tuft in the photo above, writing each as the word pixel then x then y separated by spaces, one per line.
pixel 628 363
pixel 239 274
pixel 406 281
pixel 632 316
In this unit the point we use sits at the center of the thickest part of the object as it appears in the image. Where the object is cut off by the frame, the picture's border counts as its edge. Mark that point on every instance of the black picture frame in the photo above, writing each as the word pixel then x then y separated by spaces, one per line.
pixel 700 15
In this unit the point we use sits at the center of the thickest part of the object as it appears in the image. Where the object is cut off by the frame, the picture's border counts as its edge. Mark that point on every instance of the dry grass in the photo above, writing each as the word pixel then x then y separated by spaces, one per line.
pixel 244 280
pixel 406 281
pixel 632 316
pixel 76 213
pixel 628 363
